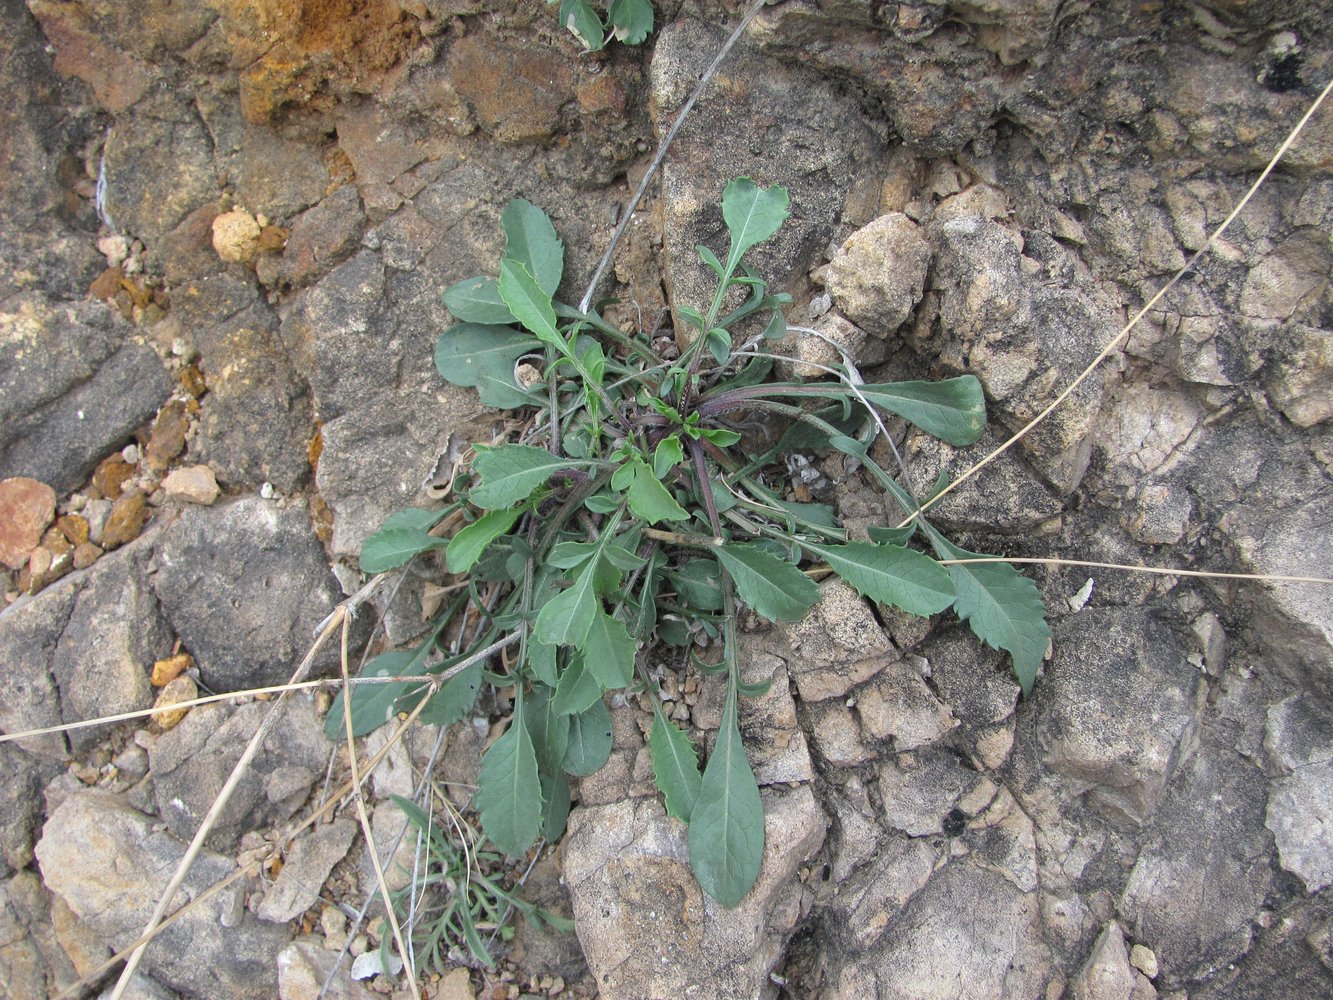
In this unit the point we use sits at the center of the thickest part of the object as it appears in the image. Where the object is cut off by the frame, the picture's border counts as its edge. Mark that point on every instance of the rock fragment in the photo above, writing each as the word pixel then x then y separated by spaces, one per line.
pixel 26 508
pixel 193 484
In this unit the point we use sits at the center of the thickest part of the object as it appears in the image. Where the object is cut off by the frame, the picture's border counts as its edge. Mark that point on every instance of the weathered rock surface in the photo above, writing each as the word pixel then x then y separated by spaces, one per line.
pixel 106 860
pixel 244 586
pixel 306 865
pixel 1300 805
pixel 26 508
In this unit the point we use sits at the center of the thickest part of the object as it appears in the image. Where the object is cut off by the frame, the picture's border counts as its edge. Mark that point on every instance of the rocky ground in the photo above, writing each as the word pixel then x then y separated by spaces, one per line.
pixel 225 230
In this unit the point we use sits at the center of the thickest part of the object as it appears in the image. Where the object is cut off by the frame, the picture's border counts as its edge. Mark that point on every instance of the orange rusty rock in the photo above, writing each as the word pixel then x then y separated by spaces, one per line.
pixel 74 527
pixel 128 516
pixel 111 475
pixel 181 689
pixel 167 439
pixel 191 379
pixel 107 284
pixel 167 670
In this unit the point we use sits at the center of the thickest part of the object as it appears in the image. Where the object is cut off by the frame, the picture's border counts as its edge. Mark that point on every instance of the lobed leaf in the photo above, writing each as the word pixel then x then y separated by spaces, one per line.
pixel 510 473
pixel 582 21
pixel 509 794
pixel 726 836
pixel 577 689
pixel 890 574
pixel 631 20
pixel 773 587
pixel 675 766
pixel 530 240
pixel 1002 606
pixel 647 497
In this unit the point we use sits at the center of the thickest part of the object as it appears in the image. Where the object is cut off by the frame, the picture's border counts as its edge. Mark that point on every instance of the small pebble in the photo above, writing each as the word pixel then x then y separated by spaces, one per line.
pixel 1144 959
pixel 85 554
pixel 266 491
pixel 193 484
pixel 114 248
pixel 130 453
pixel 26 508
pixel 128 516
pixel 182 689
pixel 168 669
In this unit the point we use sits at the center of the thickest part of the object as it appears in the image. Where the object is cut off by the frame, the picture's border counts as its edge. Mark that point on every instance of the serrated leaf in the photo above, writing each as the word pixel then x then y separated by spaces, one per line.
pixel 631 20
pixel 582 21
pixel 530 239
pixel 372 704
pixel 577 688
pixel 773 587
pixel 511 472
pixel 726 836
pixel 589 740
pixel 530 304
pixel 390 548
pixel 509 794
pixel 608 651
pixel 456 697
pixel 564 620
pixel 477 300
pixel 675 767
pixel 648 498
pixel 891 536
pixel 466 547
pixel 890 574
pixel 953 410
pixel 753 214
pixel 1003 608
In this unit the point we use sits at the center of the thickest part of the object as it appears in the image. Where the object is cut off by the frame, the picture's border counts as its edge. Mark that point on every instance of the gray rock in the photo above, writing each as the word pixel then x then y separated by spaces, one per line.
pixel 1024 315
pixel 306 865
pixel 29 699
pixel 856 832
pixel 730 127
pixel 320 239
pixel 1118 699
pixel 109 863
pixel 115 633
pixel 973 680
pixel 33 960
pixel 1199 883
pixel 920 789
pixel 1107 975
pixel 304 967
pixel 73 387
pixel 1302 373
pixel 190 764
pixel 384 455
pixel 939 945
pixel 645 926
pixel 20 807
pixel 897 705
pixel 868 902
pixel 1300 804
pixel 244 585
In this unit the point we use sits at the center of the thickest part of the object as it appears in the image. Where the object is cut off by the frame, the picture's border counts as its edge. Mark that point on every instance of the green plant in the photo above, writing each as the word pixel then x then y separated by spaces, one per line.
pixel 627 21
pixel 458 897
pixel 633 510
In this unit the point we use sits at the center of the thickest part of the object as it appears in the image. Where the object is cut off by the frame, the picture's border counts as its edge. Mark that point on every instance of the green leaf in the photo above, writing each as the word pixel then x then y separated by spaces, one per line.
pixel 555 797
pixel 648 498
pixel 727 822
pixel 890 574
pixel 542 661
pixel 511 472
pixel 414 517
pixel 709 258
pixel 667 455
pixel 891 536
pixel 675 766
pixel 582 21
pixel 773 587
pixel 509 793
pixel 571 555
pixel 565 619
pixel 699 583
pixel 530 240
pixel 720 436
pixel 589 740
pixel 372 704
pixel 953 410
pixel 777 326
pixel 548 728
pixel 457 696
pixel 483 357
pixel 1002 606
pixel 530 304
pixel 631 20
pixel 718 343
pixel 466 547
pixel 753 214
pixel 477 300
pixel 389 548
pixel 577 689
pixel 608 651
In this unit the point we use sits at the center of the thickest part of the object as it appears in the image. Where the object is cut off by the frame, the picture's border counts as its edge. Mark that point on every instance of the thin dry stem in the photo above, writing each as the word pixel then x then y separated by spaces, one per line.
pixel 364 817
pixel 1128 327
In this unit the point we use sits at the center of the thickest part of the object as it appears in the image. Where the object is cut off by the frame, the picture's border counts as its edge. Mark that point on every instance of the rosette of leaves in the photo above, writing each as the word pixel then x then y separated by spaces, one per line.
pixel 634 513
pixel 627 21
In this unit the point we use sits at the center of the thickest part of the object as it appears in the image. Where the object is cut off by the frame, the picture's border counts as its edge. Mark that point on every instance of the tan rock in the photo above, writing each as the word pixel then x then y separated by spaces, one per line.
pixel 236 236
pixel 167 670
pixel 168 436
pixel 74 528
pixel 456 985
pixel 26 508
pixel 85 554
pixel 182 689
pixel 193 484
pixel 110 476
